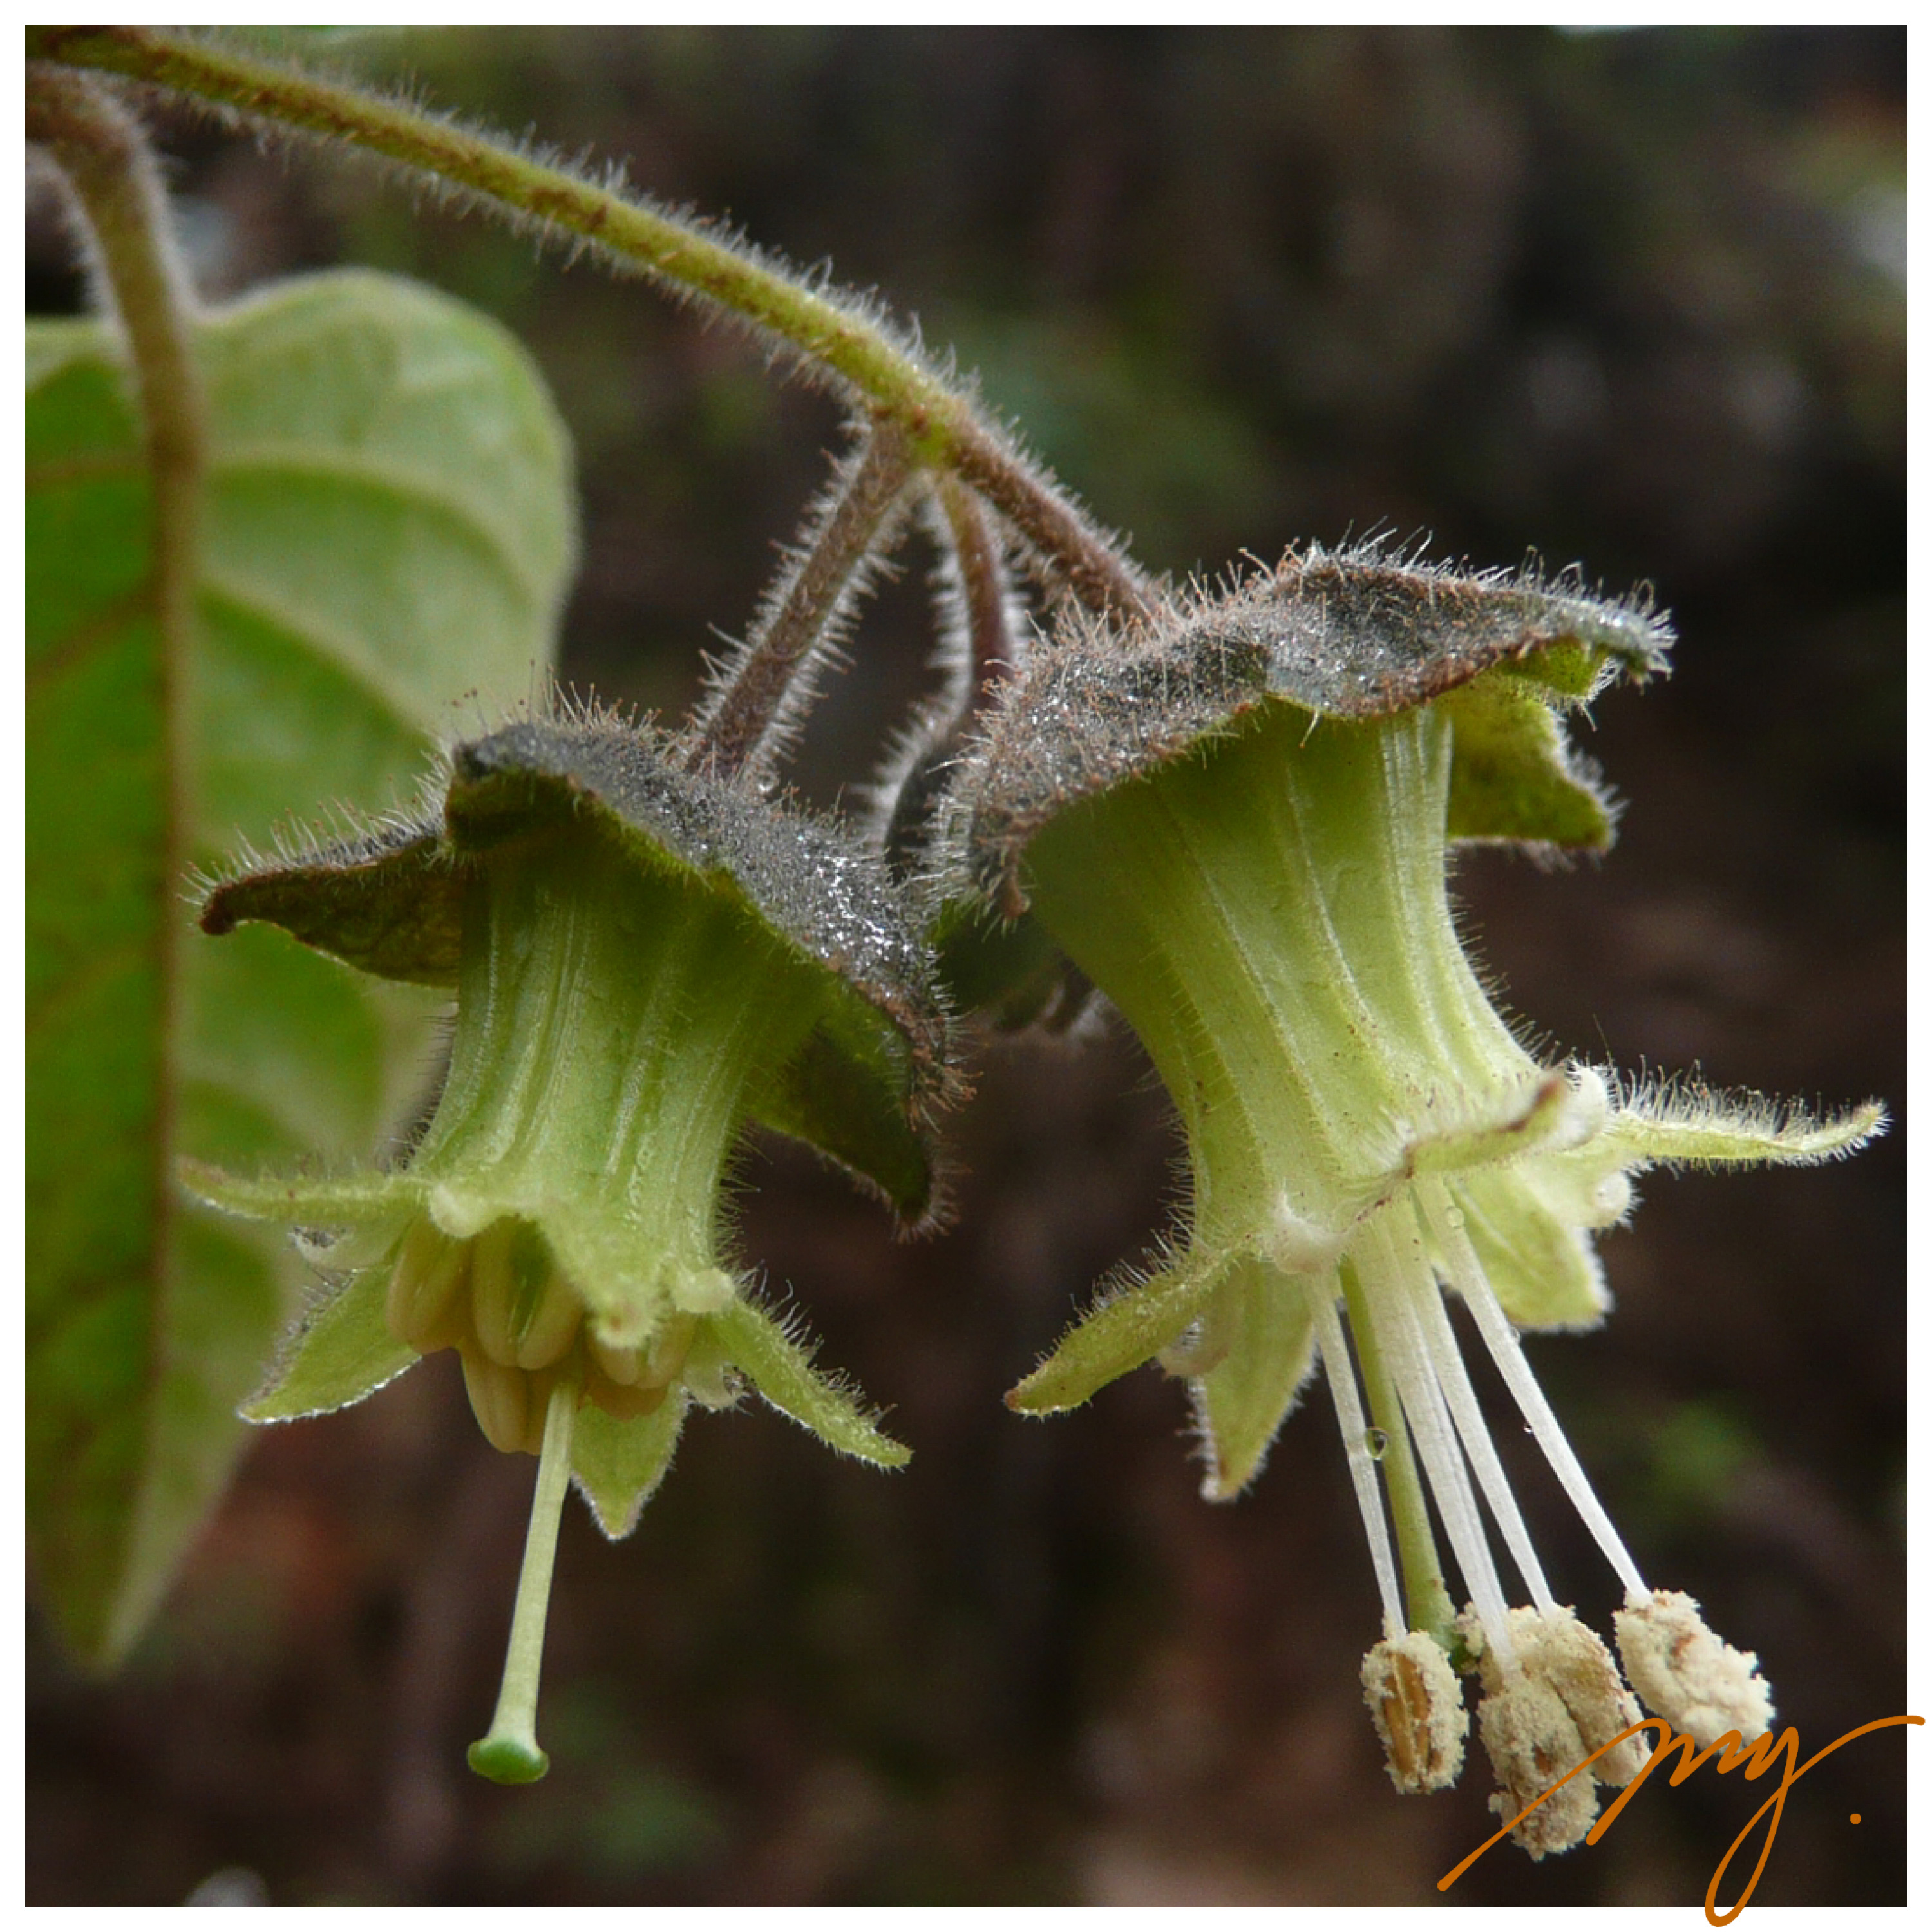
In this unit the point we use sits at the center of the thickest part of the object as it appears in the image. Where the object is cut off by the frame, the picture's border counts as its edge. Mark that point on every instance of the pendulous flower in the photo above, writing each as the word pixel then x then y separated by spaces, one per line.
pixel 1236 821
pixel 644 959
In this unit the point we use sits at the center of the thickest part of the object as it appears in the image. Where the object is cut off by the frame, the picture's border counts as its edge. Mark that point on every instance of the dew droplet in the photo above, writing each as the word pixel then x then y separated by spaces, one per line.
pixel 1377 1440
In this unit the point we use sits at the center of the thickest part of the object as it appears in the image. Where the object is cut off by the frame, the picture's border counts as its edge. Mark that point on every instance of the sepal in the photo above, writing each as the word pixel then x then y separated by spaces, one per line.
pixel 339 1350
pixel 618 1465
pixel 1262 1323
pixel 775 1363
pixel 1123 1329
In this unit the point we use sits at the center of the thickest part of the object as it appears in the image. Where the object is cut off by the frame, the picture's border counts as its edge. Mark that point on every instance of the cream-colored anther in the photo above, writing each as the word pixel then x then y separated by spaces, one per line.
pixel 552 1325
pixel 623 1366
pixel 1416 1703
pixel 427 1306
pixel 621 1400
pixel 1685 1672
pixel 669 1346
pixel 1542 1719
pixel 500 1398
pixel 493 1292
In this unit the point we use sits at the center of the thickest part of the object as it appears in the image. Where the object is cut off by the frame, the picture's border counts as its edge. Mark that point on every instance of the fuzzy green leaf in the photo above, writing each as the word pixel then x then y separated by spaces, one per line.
pixel 387 527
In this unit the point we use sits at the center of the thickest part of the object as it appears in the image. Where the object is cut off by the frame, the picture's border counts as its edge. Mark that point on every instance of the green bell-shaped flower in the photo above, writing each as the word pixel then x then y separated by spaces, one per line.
pixel 644 960
pixel 1237 824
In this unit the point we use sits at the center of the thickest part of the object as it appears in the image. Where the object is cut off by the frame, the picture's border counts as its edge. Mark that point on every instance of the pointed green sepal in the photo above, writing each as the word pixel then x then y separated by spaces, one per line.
pixel 1542 1265
pixel 618 1465
pixel 339 1350
pixel 1679 1124
pixel 363 1199
pixel 1515 776
pixel 1119 1333
pixel 758 1346
pixel 1264 1322
pixel 1545 1110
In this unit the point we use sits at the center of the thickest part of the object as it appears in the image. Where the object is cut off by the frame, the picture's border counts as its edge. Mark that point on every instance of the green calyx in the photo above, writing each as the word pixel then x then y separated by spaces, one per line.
pixel 1271 915
pixel 1355 635
pixel 862 1082
pixel 1273 920
pixel 623 1010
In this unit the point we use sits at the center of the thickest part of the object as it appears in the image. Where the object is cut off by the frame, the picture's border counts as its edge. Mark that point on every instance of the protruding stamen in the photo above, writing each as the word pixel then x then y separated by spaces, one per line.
pixel 509 1754
pixel 1543 1720
pixel 1453 1378
pixel 1417 1705
pixel 1499 1334
pixel 1341 1378
pixel 1386 1263
pixel 1686 1673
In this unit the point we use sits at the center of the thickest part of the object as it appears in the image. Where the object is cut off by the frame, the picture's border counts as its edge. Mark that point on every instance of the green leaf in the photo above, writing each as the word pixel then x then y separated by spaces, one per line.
pixel 388 528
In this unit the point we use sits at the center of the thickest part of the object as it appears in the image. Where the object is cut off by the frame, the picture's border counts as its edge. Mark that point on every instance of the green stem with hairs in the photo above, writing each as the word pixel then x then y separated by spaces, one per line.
pixel 941 428
pixel 766 686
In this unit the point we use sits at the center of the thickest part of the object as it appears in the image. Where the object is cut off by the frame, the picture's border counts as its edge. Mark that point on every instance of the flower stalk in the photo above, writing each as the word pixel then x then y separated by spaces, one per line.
pixel 876 365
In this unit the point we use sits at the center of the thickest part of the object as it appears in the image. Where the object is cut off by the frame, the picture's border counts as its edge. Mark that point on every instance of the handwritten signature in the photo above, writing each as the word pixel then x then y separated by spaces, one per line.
pixel 1731 1752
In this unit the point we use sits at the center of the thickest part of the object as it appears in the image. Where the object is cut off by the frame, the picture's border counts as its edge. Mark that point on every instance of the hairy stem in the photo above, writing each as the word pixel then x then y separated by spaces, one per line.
pixel 979 645
pixel 763 691
pixel 992 649
pixel 940 427
pixel 121 214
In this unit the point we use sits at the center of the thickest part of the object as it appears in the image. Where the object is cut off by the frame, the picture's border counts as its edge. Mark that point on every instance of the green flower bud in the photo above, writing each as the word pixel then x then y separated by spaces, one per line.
pixel 644 960
pixel 1236 822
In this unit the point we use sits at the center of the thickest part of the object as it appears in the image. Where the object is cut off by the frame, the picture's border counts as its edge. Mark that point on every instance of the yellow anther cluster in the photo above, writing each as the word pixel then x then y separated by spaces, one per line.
pixel 499 1299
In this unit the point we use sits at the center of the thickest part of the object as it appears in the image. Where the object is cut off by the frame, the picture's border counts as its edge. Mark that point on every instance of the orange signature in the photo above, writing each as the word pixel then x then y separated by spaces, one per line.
pixel 1757 1760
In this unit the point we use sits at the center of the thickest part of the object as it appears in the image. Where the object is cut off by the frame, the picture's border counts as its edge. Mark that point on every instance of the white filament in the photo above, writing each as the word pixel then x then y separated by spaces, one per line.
pixel 1499 1332
pixel 1341 1372
pixel 1453 1378
pixel 1399 1336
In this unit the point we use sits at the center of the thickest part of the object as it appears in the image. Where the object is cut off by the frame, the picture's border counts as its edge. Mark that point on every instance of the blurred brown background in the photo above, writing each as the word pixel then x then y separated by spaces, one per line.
pixel 1634 298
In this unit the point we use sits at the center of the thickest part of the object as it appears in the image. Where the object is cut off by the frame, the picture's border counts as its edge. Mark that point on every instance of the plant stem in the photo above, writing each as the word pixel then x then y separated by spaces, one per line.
pixel 940 427
pixel 509 1754
pixel 122 215
pixel 992 646
pixel 764 690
